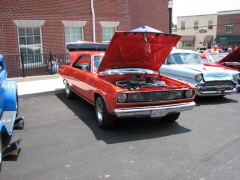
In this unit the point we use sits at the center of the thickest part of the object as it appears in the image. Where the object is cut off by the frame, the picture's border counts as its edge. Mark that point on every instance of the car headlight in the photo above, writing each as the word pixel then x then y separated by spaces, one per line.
pixel 189 93
pixel 236 77
pixel 121 98
pixel 198 77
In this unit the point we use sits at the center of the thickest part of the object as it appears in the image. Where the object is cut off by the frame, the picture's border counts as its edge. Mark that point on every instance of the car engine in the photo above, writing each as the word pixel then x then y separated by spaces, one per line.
pixel 139 82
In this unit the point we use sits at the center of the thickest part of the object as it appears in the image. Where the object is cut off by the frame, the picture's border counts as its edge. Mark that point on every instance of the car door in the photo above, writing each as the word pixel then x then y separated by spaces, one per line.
pixel 81 69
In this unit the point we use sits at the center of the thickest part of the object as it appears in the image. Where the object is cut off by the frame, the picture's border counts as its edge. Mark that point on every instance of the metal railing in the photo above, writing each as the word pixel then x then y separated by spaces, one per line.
pixel 34 64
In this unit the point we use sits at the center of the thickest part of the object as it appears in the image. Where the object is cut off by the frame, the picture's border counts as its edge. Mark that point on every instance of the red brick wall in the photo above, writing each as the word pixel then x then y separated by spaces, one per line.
pixel 130 13
pixel 223 19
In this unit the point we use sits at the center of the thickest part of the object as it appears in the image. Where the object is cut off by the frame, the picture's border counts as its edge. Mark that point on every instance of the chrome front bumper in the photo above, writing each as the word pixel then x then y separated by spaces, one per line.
pixel 154 111
pixel 220 90
pixel 216 93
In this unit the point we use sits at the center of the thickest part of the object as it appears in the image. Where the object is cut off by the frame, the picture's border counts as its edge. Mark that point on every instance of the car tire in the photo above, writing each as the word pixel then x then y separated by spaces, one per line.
pixel 69 93
pixel 104 119
pixel 171 117
pixel 1 151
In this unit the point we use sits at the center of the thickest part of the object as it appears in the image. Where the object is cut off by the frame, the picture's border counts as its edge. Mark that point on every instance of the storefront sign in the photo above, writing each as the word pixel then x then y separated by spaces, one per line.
pixel 202 31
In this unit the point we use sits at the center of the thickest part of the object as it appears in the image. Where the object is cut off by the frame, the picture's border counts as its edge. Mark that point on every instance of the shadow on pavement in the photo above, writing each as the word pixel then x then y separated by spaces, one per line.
pixel 125 130
pixel 214 100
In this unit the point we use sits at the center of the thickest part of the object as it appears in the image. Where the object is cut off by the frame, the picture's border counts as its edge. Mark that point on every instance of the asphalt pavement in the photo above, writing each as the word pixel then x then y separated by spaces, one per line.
pixel 61 140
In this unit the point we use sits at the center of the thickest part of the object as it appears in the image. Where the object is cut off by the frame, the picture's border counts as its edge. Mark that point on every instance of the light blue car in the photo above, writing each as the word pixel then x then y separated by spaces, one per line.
pixel 188 66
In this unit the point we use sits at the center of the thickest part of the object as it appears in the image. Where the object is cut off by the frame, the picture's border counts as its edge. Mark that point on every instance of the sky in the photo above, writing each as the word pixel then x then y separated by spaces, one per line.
pixel 199 7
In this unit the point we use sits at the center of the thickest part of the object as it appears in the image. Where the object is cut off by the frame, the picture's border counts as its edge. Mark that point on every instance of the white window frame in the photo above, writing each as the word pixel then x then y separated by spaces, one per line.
pixel 196 25
pixel 108 24
pixel 183 25
pixel 31 24
pixel 74 24
pixel 78 37
pixel 210 24
pixel 108 33
pixel 229 27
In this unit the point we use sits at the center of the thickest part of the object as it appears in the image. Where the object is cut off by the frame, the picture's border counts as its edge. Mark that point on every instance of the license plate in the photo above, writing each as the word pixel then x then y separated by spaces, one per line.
pixel 220 91
pixel 158 113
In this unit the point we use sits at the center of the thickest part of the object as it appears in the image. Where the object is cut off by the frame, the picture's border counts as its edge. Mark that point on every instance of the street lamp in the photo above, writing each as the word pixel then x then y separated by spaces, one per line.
pixel 170 6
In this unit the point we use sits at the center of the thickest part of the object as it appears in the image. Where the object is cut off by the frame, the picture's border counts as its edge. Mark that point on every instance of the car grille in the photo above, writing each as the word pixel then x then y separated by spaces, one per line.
pixel 216 85
pixel 219 83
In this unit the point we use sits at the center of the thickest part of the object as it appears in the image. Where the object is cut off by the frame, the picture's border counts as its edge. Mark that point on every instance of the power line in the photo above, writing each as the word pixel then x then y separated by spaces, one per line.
pixel 208 26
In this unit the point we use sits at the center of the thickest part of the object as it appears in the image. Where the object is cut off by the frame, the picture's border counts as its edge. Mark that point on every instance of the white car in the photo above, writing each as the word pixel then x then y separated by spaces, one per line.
pixel 188 66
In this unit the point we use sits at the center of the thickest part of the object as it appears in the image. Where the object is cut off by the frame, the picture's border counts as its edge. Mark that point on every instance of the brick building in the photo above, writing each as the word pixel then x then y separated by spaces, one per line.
pixel 228 29
pixel 34 26
pixel 204 31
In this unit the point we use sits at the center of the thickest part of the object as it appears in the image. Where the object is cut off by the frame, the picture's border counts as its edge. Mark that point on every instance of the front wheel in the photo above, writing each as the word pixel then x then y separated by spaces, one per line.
pixel 104 119
pixel 69 93
pixel 171 117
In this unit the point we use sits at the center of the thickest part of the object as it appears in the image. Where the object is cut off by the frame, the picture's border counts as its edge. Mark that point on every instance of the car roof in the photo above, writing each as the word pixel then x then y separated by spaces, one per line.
pixel 87 46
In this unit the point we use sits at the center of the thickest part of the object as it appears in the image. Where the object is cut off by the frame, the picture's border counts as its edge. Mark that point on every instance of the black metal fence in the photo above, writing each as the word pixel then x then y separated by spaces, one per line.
pixel 35 64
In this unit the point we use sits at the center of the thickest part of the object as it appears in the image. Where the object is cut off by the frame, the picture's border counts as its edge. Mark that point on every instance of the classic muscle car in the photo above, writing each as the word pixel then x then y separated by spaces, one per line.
pixel 187 65
pixel 124 81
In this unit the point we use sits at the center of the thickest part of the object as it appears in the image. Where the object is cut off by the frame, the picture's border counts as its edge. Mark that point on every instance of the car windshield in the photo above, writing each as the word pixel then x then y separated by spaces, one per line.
pixel 184 58
pixel 128 71
pixel 215 57
pixel 97 61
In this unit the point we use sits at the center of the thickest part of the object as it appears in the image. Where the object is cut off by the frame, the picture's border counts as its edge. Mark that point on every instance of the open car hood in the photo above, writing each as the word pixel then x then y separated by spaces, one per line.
pixel 232 57
pixel 144 47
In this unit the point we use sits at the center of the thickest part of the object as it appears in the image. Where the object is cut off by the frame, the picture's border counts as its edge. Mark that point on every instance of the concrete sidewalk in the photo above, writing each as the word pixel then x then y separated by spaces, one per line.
pixel 39 85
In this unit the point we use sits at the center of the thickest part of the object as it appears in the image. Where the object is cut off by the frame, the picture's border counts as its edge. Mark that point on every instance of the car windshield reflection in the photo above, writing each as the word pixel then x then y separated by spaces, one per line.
pixel 97 61
pixel 184 58
pixel 215 57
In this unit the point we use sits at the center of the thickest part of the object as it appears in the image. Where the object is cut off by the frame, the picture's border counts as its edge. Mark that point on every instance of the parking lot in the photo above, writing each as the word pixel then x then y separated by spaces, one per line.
pixel 61 140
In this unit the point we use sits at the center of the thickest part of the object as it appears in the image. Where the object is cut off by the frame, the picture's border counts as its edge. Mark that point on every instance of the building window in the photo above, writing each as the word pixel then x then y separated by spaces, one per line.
pixel 229 27
pixel 73 34
pixel 107 33
pixel 187 44
pixel 30 44
pixel 196 25
pixel 108 29
pixel 210 24
pixel 182 25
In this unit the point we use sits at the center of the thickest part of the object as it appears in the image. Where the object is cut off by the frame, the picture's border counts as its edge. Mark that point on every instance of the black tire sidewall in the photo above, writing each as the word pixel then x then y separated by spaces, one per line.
pixel 107 119
pixel 68 92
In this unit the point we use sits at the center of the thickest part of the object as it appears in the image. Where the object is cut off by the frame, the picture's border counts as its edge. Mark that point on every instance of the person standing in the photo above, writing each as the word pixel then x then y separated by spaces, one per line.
pixel 215 49
pixel 229 50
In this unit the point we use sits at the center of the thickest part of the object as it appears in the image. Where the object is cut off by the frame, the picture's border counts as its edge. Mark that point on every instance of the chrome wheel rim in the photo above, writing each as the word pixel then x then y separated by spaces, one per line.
pixel 67 89
pixel 99 111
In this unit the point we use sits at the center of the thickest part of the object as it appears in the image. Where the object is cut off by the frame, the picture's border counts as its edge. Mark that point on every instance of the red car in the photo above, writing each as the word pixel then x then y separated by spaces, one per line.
pixel 124 81
pixel 229 61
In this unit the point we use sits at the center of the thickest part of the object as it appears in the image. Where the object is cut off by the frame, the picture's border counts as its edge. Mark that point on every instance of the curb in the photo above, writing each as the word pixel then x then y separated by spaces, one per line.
pixel 47 93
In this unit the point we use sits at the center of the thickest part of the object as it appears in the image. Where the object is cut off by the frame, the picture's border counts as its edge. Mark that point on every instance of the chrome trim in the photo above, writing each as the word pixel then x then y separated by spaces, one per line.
pixel 168 100
pixel 187 77
pixel 215 93
pixel 203 90
pixel 147 111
